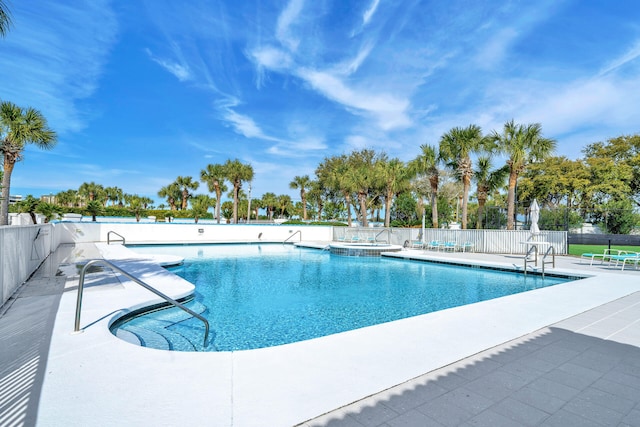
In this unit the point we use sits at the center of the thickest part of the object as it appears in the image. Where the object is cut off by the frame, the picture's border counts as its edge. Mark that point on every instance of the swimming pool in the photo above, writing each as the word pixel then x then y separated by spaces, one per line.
pixel 263 295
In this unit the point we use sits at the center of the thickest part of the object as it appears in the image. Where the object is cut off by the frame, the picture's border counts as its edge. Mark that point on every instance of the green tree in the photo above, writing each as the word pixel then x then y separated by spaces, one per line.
pixel 488 180
pixel 49 210
pixel 361 175
pixel 623 151
pixel 94 208
pixel 426 165
pixel 335 173
pixel 135 205
pixel 213 175
pixel 456 147
pixel 200 204
pixel 227 211
pixel 303 183
pixel 186 183
pixel 114 195
pixel 284 204
pixel 270 201
pixel 237 173
pixel 172 193
pixel 29 205
pixel 92 191
pixel 19 127
pixel 523 145
pixel 394 176
pixel 555 180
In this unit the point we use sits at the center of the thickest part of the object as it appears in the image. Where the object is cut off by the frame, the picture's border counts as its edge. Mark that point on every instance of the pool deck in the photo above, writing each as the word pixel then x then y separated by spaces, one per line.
pixel 564 355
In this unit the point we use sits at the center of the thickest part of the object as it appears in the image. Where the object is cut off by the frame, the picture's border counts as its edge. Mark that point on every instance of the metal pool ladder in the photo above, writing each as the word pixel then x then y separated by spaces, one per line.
pixel 119 235
pixel 139 282
pixel 550 250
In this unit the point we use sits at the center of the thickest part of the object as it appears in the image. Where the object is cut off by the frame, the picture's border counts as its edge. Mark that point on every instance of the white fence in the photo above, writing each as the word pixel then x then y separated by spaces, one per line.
pixel 486 241
pixel 22 250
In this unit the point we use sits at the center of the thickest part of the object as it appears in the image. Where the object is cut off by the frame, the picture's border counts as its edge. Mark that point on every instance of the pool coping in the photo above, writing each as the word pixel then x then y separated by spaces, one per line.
pixel 289 384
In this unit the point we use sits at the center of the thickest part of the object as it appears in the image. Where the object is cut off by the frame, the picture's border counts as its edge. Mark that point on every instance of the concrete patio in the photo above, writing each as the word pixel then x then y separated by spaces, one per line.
pixel 566 355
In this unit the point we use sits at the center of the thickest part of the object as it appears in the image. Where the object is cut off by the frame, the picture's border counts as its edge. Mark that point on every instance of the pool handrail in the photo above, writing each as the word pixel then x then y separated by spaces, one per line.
pixel 297 232
pixel 139 282
pixel 119 235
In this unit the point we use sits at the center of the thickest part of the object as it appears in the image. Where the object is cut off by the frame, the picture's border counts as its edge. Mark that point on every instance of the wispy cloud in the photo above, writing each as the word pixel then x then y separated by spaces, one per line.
pixel 180 70
pixel 241 123
pixel 631 55
pixel 61 59
pixel 366 17
pixel 286 21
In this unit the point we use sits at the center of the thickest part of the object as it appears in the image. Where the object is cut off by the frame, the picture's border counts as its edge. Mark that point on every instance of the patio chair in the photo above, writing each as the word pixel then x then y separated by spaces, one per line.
pixel 467 246
pixel 604 256
pixel 434 244
pixel 449 246
pixel 625 257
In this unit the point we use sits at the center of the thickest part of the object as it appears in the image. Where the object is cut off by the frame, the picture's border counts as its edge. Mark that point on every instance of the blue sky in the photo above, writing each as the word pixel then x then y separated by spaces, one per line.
pixel 141 92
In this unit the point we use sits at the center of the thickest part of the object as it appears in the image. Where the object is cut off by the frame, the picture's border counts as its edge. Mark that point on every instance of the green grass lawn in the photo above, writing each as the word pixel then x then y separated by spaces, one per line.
pixel 598 249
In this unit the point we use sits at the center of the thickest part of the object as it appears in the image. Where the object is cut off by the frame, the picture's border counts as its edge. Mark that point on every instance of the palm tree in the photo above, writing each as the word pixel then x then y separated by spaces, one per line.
pixel 269 201
pixel 361 176
pixel 317 194
pixel 5 19
pixel 395 176
pixel 236 173
pixel 113 194
pixel 91 191
pixel 456 146
pixel 284 203
pixel 200 204
pixel 172 193
pixel 19 127
pixel 94 208
pixel 29 205
pixel 426 164
pixel 303 183
pixel 488 180
pixel 186 183
pixel 214 176
pixel 522 144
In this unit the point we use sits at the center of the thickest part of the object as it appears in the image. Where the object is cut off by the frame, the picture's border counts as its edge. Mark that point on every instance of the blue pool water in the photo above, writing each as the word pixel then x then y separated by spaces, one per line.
pixel 263 295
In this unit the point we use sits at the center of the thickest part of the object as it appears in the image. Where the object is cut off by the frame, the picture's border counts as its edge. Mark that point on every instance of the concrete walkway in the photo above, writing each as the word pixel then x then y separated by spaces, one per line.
pixel 584 370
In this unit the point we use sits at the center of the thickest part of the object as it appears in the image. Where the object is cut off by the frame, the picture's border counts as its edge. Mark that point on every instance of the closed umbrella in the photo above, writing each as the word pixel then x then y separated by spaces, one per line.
pixel 534 211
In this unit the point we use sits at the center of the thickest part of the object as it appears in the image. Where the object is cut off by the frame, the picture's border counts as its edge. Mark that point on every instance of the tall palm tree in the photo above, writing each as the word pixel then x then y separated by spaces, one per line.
pixel 456 146
pixel 488 180
pixel 186 183
pixel 426 164
pixel 522 144
pixel 395 177
pixel 19 127
pixel 317 193
pixel 214 176
pixel 5 19
pixel 236 173
pixel 303 183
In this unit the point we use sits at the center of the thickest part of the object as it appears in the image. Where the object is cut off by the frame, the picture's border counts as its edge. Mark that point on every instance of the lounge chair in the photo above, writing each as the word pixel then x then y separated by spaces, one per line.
pixel 416 244
pixel 449 246
pixel 604 256
pixel 355 239
pixel 467 246
pixel 434 244
pixel 626 257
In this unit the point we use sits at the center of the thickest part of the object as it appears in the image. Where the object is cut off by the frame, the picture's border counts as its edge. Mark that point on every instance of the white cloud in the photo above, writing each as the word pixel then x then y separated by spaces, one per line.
pixel 390 112
pixel 285 21
pixel 50 64
pixel 496 48
pixel 369 12
pixel 180 71
pixel 632 54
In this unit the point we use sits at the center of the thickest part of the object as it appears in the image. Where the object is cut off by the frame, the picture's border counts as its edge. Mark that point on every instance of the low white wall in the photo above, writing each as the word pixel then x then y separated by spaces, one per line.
pixel 22 250
pixel 137 233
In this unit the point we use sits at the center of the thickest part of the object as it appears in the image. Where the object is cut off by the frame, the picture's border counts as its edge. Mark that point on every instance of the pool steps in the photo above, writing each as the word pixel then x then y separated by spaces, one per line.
pixel 156 334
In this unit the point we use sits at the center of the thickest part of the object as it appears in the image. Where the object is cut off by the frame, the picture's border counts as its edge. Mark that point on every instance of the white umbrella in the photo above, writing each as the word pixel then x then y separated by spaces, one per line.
pixel 534 210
